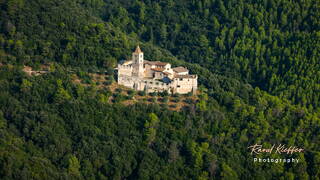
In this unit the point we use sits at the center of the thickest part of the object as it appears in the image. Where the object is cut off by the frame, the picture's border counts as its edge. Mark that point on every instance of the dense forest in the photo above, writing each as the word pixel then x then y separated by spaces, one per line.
pixel 259 76
pixel 270 44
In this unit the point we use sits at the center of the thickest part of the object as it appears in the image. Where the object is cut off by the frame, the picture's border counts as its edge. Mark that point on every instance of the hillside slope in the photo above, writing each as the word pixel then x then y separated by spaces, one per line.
pixel 53 128
pixel 272 44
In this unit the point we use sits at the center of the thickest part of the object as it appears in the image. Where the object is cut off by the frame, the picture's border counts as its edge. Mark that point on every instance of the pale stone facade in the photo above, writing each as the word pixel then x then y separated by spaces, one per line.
pixel 155 76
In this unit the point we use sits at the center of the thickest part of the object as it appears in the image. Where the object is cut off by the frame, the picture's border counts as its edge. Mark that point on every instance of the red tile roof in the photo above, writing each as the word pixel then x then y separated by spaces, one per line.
pixel 157 63
pixel 158 69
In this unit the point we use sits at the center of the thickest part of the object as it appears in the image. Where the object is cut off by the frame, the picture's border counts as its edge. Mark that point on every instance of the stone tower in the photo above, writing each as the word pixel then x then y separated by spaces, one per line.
pixel 137 62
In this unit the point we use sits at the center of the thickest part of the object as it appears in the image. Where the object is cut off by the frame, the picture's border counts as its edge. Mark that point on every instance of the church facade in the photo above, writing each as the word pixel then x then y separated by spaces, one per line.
pixel 155 76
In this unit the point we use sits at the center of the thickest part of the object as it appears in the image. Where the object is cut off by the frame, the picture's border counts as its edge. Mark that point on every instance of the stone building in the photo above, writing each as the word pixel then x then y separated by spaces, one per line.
pixel 155 76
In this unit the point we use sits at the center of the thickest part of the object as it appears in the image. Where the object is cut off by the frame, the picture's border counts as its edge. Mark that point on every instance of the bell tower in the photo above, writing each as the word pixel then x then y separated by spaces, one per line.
pixel 137 62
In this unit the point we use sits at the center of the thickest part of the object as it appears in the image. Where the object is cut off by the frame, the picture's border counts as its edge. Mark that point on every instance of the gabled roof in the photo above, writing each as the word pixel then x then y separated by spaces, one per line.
pixel 138 50
pixel 157 63
pixel 127 62
pixel 158 69
pixel 180 69
pixel 167 73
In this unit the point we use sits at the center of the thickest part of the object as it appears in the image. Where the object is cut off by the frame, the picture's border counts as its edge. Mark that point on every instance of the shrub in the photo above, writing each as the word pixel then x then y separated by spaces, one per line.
pixel 175 100
pixel 152 99
pixel 175 95
pixel 118 98
pixel 107 83
pixel 189 94
pixel 110 71
pixel 92 70
pixel 82 74
pixel 129 97
pixel 118 90
pixel 86 81
pixel 153 94
pixel 131 92
pixel 141 93
pixel 164 105
pixel 189 101
pixel 164 93
pixel 110 78
pixel 107 92
pixel 173 106
pixel 165 99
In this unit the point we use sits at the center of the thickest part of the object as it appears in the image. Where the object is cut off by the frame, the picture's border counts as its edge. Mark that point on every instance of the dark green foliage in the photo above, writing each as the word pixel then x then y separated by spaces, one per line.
pixel 107 83
pixel 271 44
pixel 165 99
pixel 152 99
pixel 242 51
pixel 131 92
pixel 118 90
pixel 176 95
pixel 110 78
pixel 176 99
pixel 153 94
pixel 88 137
pixel 119 98
pixel 61 31
pixel 189 101
pixel 164 93
pixel 173 106
pixel 141 93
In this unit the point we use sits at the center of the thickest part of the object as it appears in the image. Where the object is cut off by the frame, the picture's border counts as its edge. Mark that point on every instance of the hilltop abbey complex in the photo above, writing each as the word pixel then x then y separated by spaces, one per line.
pixel 155 76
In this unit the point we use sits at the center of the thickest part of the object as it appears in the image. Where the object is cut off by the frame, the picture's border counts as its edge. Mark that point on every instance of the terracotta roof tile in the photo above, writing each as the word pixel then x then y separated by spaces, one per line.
pixel 157 63
pixel 158 69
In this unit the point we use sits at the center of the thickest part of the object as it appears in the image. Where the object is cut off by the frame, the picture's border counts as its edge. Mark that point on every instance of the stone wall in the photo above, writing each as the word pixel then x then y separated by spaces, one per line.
pixel 125 70
pixel 126 81
pixel 147 76
pixel 184 85
pixel 148 72
pixel 178 85
pixel 156 86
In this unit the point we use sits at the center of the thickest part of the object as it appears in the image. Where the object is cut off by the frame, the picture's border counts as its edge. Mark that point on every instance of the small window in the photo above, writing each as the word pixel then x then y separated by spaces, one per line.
pixel 178 86
pixel 181 79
